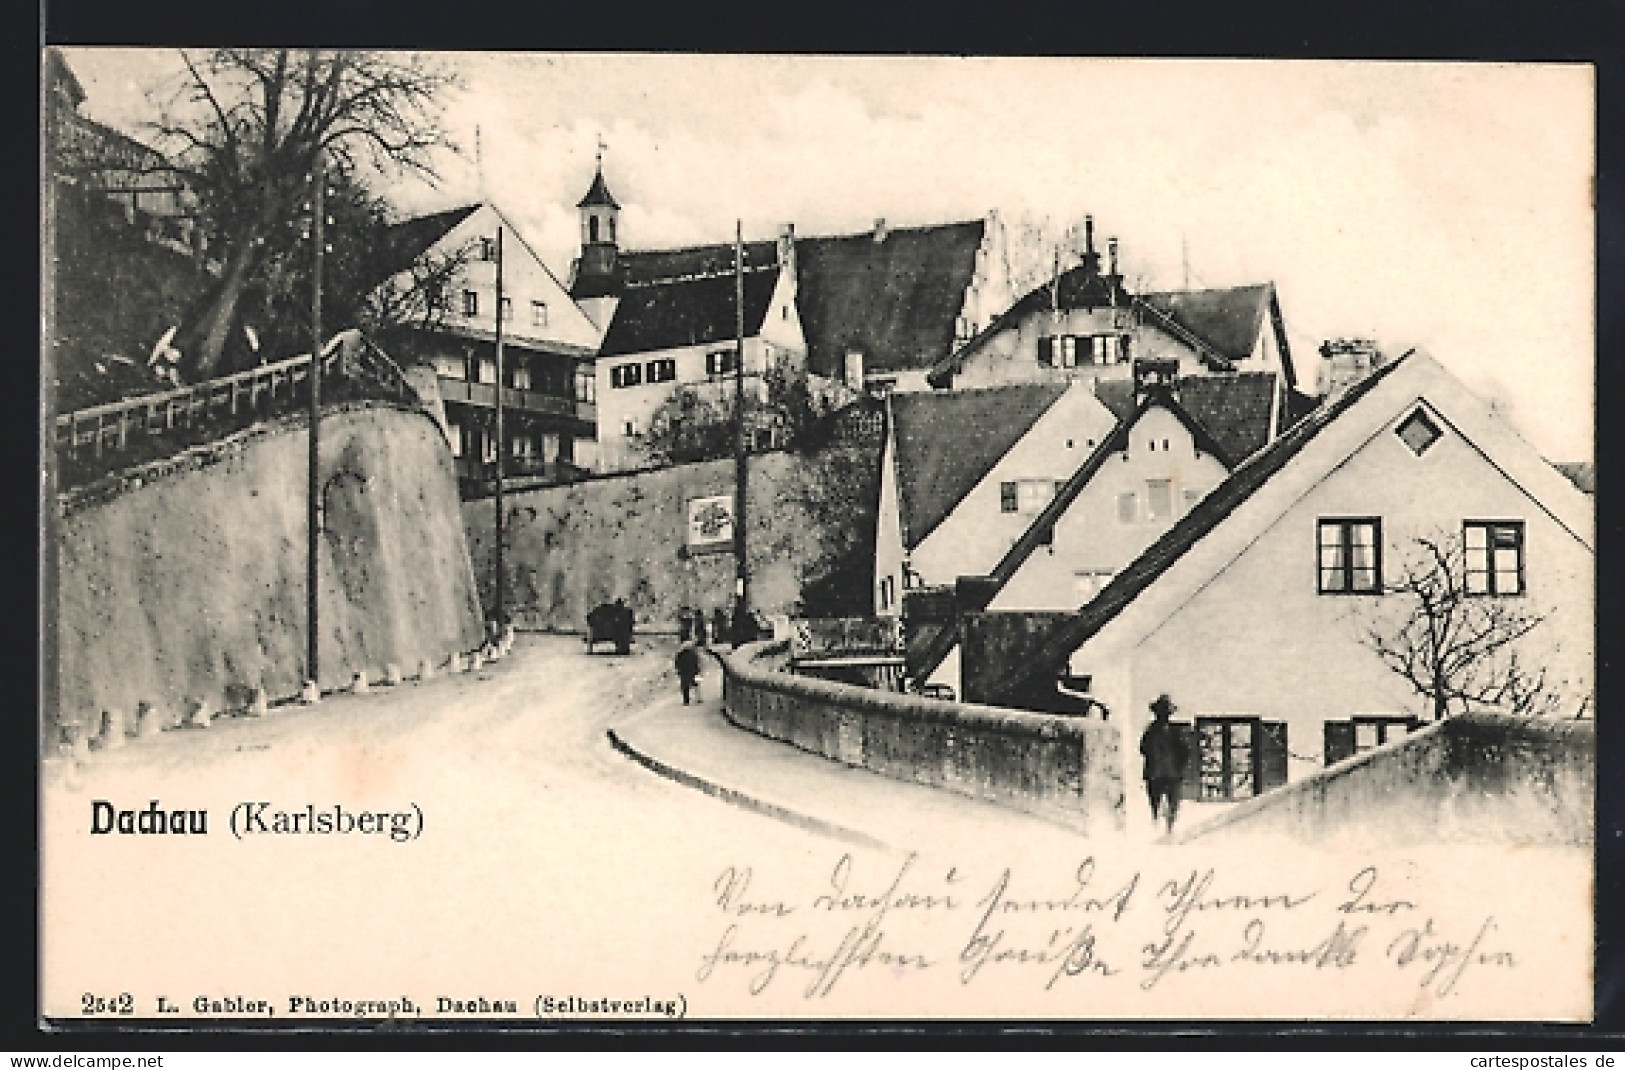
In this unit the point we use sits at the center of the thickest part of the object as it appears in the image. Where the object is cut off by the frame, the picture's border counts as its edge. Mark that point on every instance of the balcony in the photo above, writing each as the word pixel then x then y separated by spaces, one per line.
pixel 485 395
pixel 479 477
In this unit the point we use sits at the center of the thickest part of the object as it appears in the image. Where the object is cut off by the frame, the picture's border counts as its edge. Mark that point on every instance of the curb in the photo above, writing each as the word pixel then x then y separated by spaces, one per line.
pixel 744 801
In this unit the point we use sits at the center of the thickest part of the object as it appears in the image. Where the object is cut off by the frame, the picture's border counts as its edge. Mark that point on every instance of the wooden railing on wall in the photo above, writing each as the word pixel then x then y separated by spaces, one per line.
pixel 93 442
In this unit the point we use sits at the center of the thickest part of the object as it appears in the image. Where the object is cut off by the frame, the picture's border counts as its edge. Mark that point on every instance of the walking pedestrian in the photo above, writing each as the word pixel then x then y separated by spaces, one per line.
pixel 1166 756
pixel 699 627
pixel 688 671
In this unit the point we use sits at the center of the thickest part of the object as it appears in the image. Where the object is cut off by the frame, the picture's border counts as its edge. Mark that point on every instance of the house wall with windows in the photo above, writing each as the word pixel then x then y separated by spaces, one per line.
pixel 988 520
pixel 1090 337
pixel 1262 616
pixel 548 351
pixel 632 386
pixel 1134 497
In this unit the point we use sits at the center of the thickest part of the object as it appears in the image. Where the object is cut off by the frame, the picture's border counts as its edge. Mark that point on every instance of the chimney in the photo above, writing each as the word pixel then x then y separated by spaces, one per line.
pixel 1089 235
pixel 1111 254
pixel 1151 374
pixel 853 371
pixel 880 230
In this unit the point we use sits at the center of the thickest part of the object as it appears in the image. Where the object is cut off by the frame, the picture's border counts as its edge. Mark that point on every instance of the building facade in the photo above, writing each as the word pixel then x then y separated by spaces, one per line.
pixel 548 349
pixel 1085 324
pixel 1255 608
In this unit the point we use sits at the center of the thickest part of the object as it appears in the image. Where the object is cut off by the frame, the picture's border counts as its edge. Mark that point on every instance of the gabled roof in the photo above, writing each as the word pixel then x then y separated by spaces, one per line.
pixel 639 267
pixel 406 241
pixel 598 195
pixel 1207 514
pixel 1034 536
pixel 946 443
pixel 1228 320
pixel 692 311
pixel 896 299
pixel 1234 409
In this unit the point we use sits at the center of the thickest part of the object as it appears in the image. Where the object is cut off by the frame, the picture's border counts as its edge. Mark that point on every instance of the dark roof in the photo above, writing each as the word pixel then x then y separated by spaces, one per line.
pixel 1228 320
pixel 686 312
pixel 57 72
pixel 1044 523
pixel 670 265
pixel 1582 474
pixel 947 442
pixel 897 300
pixel 1161 555
pixel 598 195
pixel 1234 409
pixel 407 241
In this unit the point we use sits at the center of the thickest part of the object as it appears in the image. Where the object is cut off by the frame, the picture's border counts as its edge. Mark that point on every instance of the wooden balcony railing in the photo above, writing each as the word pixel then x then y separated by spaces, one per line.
pixel 485 394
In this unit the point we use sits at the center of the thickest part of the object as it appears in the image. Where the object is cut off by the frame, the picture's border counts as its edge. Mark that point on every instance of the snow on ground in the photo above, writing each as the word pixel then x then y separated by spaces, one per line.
pixel 551 865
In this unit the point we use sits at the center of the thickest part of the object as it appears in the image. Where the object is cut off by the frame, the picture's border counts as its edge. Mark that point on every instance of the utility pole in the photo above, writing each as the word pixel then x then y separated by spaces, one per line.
pixel 313 501
pixel 502 450
pixel 741 569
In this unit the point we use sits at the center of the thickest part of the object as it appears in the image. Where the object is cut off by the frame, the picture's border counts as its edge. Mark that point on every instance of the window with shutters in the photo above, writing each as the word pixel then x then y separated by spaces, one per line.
pixel 1494 556
pixel 586 383
pixel 1046 352
pixel 663 370
pixel 521 375
pixel 1350 556
pixel 1069 351
pixel 626 375
pixel 538 314
pixel 721 362
pixel 1227 757
pixel 1026 496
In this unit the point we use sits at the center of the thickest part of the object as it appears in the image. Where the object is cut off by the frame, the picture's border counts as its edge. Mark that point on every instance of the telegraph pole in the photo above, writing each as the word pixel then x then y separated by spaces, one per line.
pixel 741 569
pixel 502 449
pixel 313 488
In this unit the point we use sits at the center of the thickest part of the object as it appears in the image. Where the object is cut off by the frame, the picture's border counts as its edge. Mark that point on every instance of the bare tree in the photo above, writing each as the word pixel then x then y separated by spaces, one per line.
pixel 1457 649
pixel 246 130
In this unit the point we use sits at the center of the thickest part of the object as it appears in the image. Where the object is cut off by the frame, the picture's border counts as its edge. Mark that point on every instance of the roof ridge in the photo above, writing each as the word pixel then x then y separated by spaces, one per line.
pixel 1171 546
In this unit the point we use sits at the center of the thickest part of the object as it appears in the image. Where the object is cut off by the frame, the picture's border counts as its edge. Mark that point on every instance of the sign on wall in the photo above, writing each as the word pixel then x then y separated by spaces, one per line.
pixel 711 523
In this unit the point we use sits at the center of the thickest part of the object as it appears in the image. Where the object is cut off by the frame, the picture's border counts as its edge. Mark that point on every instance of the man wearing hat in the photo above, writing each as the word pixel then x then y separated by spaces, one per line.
pixel 1166 756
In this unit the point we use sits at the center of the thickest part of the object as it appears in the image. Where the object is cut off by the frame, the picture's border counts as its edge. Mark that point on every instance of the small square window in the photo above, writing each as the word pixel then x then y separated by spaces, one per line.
pixel 1007 496
pixel 1127 511
pixel 538 314
pixel 471 303
pixel 1419 432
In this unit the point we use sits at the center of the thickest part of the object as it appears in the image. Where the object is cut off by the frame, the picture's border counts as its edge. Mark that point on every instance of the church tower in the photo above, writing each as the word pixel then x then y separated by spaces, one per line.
pixel 596 277
pixel 597 283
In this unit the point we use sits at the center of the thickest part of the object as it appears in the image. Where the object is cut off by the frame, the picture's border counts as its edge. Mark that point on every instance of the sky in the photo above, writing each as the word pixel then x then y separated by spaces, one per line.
pixel 1443 206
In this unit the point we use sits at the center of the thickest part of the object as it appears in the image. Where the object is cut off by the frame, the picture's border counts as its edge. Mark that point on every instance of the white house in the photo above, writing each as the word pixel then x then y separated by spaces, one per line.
pixel 1249 612
pixel 548 346
pixel 1167 442
pixel 1085 324
pixel 873 310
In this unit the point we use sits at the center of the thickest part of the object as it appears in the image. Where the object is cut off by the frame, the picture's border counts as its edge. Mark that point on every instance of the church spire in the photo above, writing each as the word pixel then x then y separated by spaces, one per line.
pixel 597 271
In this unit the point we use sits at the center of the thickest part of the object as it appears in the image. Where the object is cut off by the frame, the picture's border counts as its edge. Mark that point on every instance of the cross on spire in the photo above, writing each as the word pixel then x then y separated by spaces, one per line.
pixel 601 148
